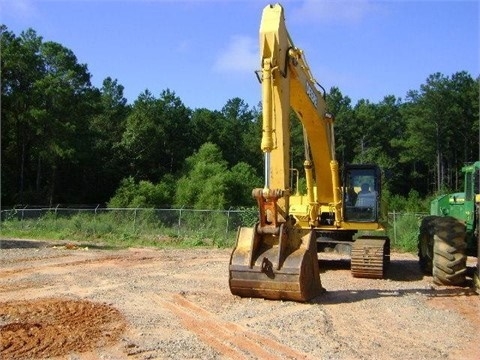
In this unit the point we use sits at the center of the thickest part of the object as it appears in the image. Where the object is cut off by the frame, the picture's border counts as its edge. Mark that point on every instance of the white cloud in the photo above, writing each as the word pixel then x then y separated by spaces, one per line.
pixel 240 56
pixel 331 11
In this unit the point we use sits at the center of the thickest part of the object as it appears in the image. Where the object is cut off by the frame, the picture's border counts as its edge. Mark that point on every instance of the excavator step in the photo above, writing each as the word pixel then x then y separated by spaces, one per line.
pixel 370 257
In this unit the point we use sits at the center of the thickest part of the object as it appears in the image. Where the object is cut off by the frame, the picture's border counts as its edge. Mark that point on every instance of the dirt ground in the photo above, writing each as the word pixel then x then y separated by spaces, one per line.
pixel 73 301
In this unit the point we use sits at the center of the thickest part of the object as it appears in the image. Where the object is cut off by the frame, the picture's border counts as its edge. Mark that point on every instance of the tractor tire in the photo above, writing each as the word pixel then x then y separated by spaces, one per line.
pixel 425 244
pixel 449 259
pixel 441 249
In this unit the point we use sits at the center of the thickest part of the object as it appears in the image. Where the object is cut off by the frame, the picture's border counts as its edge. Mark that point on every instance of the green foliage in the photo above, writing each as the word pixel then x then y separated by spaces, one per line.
pixel 209 184
pixel 297 152
pixel 157 136
pixel 107 127
pixel 302 186
pixel 413 203
pixel 126 228
pixel 143 194
pixel 345 130
pixel 236 130
pixel 65 141
pixel 205 183
pixel 403 232
pixel 47 101
pixel 249 216
pixel 242 179
pixel 438 130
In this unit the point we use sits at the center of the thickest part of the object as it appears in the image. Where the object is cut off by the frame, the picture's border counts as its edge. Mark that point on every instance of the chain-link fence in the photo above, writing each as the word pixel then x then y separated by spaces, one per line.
pixel 134 217
pixel 181 222
pixel 403 229
pixel 209 227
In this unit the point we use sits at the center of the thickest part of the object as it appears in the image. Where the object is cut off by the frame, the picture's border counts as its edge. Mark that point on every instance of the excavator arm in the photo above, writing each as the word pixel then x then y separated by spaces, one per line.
pixel 287 83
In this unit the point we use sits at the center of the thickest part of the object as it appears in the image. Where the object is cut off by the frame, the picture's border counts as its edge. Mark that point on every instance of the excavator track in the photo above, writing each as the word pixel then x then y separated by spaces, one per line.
pixel 370 257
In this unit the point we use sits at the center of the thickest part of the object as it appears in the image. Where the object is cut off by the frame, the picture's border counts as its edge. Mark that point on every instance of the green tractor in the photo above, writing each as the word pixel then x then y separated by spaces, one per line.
pixel 451 233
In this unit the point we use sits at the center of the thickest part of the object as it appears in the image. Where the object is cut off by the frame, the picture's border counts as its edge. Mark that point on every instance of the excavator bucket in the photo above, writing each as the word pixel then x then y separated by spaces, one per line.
pixel 281 266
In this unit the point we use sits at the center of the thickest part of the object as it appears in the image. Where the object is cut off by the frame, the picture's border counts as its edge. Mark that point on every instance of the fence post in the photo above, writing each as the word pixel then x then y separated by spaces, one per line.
pixel 56 214
pixel 23 215
pixel 179 220
pixel 95 220
pixel 228 220
pixel 134 219
pixel 394 227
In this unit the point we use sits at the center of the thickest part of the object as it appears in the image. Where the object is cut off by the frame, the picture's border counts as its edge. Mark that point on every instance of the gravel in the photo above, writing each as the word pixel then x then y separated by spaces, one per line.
pixel 176 305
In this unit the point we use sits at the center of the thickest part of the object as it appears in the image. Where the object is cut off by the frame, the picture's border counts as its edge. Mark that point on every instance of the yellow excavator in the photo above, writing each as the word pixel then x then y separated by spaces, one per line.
pixel 278 257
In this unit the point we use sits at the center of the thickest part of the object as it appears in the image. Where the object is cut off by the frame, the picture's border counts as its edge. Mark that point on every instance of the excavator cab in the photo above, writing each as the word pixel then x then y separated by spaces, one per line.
pixel 361 193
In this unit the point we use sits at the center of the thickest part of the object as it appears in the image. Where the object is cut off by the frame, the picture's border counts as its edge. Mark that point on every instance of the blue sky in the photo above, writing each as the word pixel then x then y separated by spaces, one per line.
pixel 207 51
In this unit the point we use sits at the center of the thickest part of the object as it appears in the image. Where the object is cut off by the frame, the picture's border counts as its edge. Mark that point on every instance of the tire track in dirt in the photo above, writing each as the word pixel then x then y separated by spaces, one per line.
pixel 227 338
pixel 102 261
pixel 21 276
pixel 20 271
pixel 23 260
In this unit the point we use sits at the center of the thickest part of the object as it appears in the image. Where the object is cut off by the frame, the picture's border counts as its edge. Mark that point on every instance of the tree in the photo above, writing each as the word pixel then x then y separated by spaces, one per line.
pixel 368 133
pixel 379 124
pixel 157 136
pixel 21 67
pixel 206 181
pixel 45 105
pixel 439 131
pixel 236 130
pixel 143 194
pixel 389 127
pixel 107 127
pixel 206 126
pixel 340 107
pixel 242 180
pixel 62 112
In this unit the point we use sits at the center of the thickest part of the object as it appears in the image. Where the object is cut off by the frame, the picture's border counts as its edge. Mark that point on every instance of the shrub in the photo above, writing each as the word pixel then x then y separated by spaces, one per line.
pixel 404 232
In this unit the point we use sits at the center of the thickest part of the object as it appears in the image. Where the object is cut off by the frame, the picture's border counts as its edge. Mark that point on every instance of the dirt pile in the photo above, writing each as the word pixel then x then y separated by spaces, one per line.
pixel 45 328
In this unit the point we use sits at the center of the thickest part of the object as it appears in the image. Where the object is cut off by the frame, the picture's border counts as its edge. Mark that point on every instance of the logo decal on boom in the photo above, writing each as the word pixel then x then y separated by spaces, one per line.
pixel 312 95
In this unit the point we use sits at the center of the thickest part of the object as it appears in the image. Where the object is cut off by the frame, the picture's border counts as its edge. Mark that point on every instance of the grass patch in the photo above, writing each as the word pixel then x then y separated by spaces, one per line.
pixel 403 232
pixel 166 229
pixel 124 229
